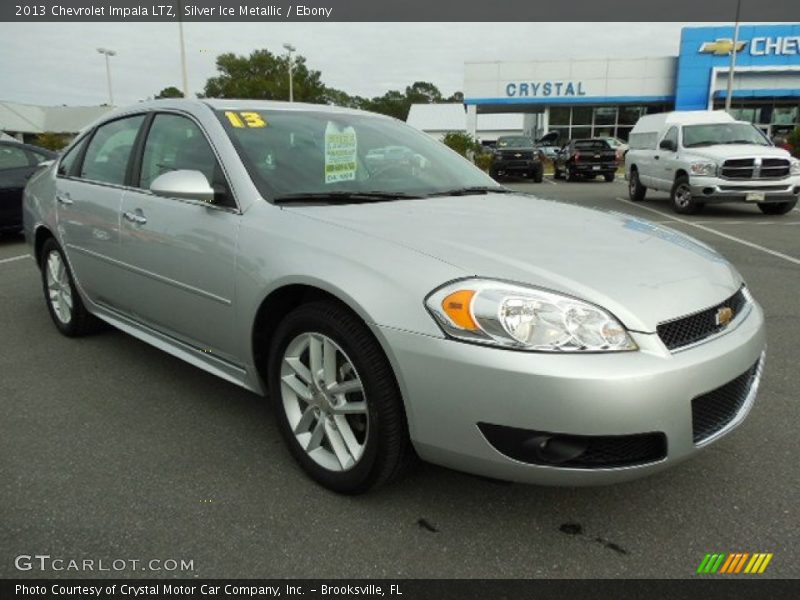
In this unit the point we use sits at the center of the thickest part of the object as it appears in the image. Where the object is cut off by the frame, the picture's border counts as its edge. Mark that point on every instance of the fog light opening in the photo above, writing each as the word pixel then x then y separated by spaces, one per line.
pixel 555 449
pixel 708 191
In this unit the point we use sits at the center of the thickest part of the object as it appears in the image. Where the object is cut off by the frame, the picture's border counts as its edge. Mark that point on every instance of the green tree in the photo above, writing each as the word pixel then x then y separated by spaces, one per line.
pixel 422 92
pixel 794 141
pixel 392 103
pixel 456 97
pixel 169 92
pixel 264 76
pixel 51 141
pixel 461 142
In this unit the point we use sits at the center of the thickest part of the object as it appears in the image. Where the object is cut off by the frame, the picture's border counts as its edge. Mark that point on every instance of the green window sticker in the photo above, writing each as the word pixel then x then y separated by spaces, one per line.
pixel 340 153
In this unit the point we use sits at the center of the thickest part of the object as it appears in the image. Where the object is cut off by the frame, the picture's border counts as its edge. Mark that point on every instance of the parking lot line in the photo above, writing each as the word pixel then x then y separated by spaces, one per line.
pixel 733 238
pixel 14 258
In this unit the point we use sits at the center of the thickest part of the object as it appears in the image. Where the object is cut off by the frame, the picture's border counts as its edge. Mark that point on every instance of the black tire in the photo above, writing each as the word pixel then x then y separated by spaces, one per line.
pixel 571 174
pixel 556 173
pixel 636 191
pixel 777 208
pixel 387 449
pixel 680 195
pixel 609 177
pixel 81 321
pixel 538 174
pixel 494 173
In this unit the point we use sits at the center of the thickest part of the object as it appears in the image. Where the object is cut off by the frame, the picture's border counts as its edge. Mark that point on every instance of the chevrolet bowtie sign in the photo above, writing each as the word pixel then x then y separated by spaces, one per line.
pixel 759 46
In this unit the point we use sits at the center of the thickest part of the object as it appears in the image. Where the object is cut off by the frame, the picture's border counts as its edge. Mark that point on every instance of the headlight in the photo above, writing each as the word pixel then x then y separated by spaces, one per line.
pixel 704 168
pixel 513 316
pixel 795 168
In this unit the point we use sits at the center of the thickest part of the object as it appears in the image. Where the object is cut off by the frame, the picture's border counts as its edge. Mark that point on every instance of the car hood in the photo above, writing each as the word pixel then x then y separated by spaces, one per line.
pixel 641 272
pixel 725 151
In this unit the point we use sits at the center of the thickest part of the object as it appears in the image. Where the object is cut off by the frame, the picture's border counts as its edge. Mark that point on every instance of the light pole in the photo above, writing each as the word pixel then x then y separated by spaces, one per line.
pixel 729 94
pixel 290 49
pixel 184 71
pixel 108 53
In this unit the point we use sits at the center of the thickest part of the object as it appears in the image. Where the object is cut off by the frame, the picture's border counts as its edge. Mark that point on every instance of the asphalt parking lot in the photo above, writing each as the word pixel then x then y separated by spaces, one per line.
pixel 112 449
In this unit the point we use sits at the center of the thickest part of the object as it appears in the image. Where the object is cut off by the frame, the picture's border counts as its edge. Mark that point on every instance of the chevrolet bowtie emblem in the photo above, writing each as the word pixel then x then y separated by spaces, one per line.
pixel 517 155
pixel 724 315
pixel 721 47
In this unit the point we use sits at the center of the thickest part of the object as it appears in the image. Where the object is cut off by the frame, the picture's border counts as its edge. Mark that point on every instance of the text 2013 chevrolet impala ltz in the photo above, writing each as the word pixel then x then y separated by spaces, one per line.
pixel 389 297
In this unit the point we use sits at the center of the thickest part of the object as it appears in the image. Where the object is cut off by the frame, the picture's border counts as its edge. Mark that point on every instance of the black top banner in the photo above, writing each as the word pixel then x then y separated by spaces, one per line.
pixel 722 11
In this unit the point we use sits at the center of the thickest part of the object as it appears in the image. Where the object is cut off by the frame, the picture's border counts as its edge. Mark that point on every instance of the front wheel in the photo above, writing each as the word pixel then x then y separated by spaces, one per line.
pixel 609 177
pixel 681 195
pixel 537 174
pixel 63 302
pixel 636 191
pixel 337 403
pixel 494 173
pixel 777 208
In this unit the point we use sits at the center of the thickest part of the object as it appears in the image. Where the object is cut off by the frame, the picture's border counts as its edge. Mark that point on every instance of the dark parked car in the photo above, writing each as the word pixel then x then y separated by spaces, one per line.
pixel 586 159
pixel 17 163
pixel 516 155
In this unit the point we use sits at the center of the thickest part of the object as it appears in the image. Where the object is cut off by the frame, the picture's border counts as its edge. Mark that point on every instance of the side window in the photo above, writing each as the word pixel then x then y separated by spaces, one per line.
pixel 672 136
pixel 66 166
pixel 109 151
pixel 12 158
pixel 175 143
pixel 36 158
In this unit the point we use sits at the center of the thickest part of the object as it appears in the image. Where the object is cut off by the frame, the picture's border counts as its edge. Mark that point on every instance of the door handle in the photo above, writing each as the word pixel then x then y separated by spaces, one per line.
pixel 64 199
pixel 136 218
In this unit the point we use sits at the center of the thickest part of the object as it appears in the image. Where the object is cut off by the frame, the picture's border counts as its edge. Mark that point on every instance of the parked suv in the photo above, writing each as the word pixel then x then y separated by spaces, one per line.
pixel 586 159
pixel 517 155
pixel 706 156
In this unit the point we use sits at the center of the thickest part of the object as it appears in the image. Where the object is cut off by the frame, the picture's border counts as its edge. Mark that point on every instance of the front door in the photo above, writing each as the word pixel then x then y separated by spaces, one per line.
pixel 181 254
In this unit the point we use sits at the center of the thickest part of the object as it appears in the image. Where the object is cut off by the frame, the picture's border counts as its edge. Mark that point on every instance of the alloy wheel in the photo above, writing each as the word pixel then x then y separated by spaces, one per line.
pixel 59 290
pixel 683 195
pixel 324 401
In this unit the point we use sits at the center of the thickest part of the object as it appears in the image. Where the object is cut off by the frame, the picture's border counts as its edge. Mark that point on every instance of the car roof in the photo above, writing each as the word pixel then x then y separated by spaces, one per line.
pixel 29 147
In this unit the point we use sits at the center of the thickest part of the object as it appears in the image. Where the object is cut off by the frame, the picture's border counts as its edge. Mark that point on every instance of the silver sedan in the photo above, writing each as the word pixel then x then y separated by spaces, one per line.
pixel 396 308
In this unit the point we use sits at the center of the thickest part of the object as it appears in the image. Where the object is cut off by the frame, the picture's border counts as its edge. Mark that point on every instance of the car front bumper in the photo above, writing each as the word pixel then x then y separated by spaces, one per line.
pixel 450 387
pixel 714 189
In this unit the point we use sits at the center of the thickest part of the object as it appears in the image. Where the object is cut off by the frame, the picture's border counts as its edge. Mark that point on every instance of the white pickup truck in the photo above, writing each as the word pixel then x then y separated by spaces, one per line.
pixel 701 157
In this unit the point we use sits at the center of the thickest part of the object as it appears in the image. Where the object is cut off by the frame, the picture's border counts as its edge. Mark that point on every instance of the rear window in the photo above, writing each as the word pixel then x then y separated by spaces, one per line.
pixel 592 145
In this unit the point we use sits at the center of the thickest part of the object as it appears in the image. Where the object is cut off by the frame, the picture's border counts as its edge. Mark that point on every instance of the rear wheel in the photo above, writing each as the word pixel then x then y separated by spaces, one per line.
pixel 682 201
pixel 63 301
pixel 636 191
pixel 777 208
pixel 336 400
pixel 571 174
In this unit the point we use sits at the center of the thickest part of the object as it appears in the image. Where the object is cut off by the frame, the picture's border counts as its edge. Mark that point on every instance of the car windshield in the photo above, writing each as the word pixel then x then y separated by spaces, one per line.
pixel 339 156
pixel 592 145
pixel 514 142
pixel 722 133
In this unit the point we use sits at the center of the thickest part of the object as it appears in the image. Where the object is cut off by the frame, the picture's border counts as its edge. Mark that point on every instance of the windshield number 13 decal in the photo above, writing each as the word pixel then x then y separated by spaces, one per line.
pixel 245 119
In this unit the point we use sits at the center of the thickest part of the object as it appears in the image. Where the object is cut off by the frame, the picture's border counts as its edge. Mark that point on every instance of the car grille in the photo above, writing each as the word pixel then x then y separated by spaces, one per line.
pixel 755 168
pixel 599 451
pixel 698 326
pixel 713 411
pixel 516 154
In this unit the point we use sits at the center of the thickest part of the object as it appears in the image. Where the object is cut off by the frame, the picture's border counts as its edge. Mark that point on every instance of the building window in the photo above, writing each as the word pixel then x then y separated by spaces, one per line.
pixel 559 115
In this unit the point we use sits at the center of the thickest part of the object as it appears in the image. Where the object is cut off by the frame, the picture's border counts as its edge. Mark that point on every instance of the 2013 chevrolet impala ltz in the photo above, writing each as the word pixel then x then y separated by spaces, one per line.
pixel 391 299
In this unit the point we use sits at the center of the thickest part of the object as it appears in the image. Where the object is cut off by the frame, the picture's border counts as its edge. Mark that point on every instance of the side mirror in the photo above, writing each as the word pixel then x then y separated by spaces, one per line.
pixel 667 145
pixel 186 184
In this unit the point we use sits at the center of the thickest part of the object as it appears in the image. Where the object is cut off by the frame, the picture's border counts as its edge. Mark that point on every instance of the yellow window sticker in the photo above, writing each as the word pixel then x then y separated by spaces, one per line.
pixel 246 119
pixel 340 153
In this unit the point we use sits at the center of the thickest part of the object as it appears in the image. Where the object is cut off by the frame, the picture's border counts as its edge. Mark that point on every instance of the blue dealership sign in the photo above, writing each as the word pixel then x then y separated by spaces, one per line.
pixel 705 48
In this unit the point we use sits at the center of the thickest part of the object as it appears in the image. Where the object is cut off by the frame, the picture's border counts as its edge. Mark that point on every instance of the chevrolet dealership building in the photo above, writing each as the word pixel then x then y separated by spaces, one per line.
pixel 594 97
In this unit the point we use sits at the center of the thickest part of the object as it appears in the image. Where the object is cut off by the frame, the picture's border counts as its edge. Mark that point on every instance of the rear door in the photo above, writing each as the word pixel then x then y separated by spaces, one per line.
pixel 89 185
pixel 16 167
pixel 181 254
